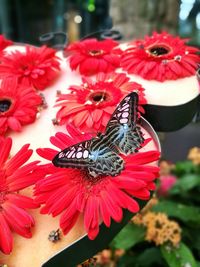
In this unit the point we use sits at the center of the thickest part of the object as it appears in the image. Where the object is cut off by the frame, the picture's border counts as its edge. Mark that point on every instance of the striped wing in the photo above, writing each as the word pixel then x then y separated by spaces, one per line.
pixel 122 130
pixel 93 156
pixel 107 161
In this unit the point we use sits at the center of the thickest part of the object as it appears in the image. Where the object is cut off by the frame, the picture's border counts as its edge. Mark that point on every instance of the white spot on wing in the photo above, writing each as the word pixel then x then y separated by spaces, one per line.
pixel 67 153
pixel 125 107
pixel 124 114
pixel 61 155
pixel 79 155
pixel 85 154
pixel 123 120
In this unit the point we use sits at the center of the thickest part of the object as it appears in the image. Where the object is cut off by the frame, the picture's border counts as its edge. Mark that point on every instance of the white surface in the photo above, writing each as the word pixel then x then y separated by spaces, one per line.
pixel 169 93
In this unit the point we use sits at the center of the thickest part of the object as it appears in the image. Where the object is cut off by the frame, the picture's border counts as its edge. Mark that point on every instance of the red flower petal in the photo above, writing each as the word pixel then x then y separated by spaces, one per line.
pixel 69 218
pixel 19 159
pixel 6 239
pixel 5 146
pixel 21 201
pixel 16 175
pixel 18 219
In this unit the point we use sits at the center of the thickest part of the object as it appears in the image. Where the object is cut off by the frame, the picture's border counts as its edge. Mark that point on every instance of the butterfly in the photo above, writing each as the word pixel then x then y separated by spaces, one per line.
pixel 101 154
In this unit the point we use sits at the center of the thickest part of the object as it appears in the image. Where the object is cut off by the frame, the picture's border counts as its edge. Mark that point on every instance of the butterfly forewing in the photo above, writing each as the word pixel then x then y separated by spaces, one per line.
pixel 122 130
pixel 76 156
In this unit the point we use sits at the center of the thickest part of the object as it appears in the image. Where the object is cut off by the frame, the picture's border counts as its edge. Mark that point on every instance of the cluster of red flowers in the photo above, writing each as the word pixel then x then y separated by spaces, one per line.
pixel 69 192
pixel 23 73
pixel 15 175
pixel 158 57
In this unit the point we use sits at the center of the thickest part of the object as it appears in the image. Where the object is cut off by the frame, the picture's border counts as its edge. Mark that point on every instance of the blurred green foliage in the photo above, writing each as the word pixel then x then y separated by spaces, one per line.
pixel 182 204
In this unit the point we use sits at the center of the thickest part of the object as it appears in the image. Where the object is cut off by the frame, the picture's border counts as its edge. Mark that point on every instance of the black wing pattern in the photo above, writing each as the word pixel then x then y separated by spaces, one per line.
pixel 92 155
pixel 122 130
pixel 100 155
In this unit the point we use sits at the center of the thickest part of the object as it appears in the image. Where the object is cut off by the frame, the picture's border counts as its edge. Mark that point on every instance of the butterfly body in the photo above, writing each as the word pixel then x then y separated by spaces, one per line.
pixel 100 155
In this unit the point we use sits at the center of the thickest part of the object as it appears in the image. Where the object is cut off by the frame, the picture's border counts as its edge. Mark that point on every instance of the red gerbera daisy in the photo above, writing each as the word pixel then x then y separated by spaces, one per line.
pixel 161 57
pixel 18 105
pixel 72 192
pixel 36 66
pixel 4 43
pixel 15 176
pixel 90 105
pixel 92 56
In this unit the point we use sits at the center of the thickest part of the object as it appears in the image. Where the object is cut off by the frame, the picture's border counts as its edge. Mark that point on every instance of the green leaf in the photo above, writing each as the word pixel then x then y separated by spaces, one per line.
pixel 185 167
pixel 185 213
pixel 178 257
pixel 130 235
pixel 186 183
pixel 127 260
pixel 188 234
pixel 150 257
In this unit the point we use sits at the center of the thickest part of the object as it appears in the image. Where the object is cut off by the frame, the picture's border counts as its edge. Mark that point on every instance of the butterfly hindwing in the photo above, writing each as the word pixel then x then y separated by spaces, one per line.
pixel 107 161
pixel 122 130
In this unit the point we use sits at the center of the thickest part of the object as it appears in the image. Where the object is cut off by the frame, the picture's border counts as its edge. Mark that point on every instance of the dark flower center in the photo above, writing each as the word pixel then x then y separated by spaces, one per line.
pixel 99 97
pixel 159 50
pixel 95 52
pixel 4 105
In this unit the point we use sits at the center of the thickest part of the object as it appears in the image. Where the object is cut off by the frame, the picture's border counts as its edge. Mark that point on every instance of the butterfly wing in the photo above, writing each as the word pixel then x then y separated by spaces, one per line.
pixel 76 156
pixel 99 156
pixel 122 130
pixel 107 161
pixel 91 155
